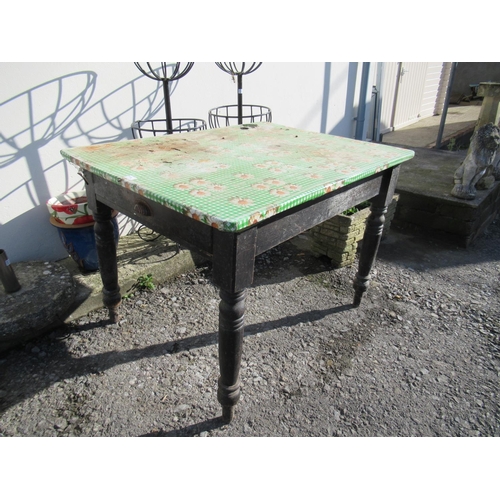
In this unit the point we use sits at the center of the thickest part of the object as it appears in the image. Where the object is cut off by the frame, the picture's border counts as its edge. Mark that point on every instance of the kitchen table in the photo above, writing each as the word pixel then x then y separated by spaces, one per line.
pixel 231 194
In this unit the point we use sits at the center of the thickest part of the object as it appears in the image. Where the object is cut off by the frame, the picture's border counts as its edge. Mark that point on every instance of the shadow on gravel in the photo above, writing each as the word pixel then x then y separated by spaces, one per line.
pixel 190 430
pixel 62 365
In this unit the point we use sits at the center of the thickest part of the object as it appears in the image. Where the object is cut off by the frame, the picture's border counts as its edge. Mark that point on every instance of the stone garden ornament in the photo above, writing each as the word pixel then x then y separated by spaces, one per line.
pixel 481 167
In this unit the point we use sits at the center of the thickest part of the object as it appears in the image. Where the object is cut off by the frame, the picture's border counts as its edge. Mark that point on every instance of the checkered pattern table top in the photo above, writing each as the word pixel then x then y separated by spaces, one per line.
pixel 233 177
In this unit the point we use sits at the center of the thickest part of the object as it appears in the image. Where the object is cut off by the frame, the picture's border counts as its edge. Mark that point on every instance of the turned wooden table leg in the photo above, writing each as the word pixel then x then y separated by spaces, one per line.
pixel 233 264
pixel 373 232
pixel 106 254
pixel 231 326
pixel 371 242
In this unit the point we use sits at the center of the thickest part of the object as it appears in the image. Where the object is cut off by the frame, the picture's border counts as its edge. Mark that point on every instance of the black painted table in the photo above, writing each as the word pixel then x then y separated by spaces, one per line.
pixel 232 194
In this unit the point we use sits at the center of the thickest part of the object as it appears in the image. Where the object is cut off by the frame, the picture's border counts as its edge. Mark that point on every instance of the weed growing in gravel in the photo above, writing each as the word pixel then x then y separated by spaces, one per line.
pixel 143 283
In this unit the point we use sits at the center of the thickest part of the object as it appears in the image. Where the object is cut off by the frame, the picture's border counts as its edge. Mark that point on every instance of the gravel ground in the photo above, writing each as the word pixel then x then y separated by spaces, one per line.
pixel 420 357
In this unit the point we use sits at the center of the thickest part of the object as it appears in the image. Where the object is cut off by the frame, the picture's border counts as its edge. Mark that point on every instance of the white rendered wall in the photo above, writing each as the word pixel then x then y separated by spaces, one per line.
pixel 46 107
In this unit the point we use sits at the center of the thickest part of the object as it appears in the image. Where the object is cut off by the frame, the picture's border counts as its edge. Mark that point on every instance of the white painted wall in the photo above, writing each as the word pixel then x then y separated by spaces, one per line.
pixel 46 107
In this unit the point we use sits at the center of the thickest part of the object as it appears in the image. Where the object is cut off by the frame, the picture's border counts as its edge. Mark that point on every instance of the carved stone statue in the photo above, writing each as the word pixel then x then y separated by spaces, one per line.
pixel 479 169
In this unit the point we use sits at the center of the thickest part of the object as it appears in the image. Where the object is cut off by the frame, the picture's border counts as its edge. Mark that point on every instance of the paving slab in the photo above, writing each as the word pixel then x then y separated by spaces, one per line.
pixel 460 120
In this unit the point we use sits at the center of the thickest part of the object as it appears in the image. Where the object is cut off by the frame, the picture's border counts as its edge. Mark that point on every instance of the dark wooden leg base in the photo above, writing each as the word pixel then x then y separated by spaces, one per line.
pixel 360 287
pixel 227 414
pixel 114 313
pixel 228 396
pixel 231 326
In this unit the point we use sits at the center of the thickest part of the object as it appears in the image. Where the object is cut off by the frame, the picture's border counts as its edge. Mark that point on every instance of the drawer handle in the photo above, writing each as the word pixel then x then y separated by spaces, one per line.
pixel 141 208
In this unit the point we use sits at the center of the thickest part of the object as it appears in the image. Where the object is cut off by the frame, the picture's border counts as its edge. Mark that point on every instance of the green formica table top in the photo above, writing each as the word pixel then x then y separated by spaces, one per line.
pixel 233 177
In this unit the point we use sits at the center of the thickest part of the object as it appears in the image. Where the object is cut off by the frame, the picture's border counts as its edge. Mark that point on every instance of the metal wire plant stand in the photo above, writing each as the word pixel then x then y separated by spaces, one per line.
pixel 232 114
pixel 146 128
pixel 166 73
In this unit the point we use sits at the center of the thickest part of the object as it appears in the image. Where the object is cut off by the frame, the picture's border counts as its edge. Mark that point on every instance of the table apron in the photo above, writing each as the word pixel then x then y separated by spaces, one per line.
pixel 188 232
pixel 199 237
pixel 297 220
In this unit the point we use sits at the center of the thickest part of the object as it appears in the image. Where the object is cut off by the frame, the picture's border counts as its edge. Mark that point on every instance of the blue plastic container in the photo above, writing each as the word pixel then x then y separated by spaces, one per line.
pixel 80 243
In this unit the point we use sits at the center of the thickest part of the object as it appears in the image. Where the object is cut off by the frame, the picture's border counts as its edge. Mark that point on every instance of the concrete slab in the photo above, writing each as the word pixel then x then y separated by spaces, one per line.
pixel 424 188
pixel 460 120
pixel 430 173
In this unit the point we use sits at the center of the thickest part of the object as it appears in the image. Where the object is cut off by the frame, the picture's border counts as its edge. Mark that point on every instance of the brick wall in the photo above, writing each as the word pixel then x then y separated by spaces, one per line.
pixel 338 238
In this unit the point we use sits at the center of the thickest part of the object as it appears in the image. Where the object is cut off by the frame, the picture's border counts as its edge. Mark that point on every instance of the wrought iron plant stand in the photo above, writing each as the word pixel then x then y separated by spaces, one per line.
pixel 232 114
pixel 166 73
